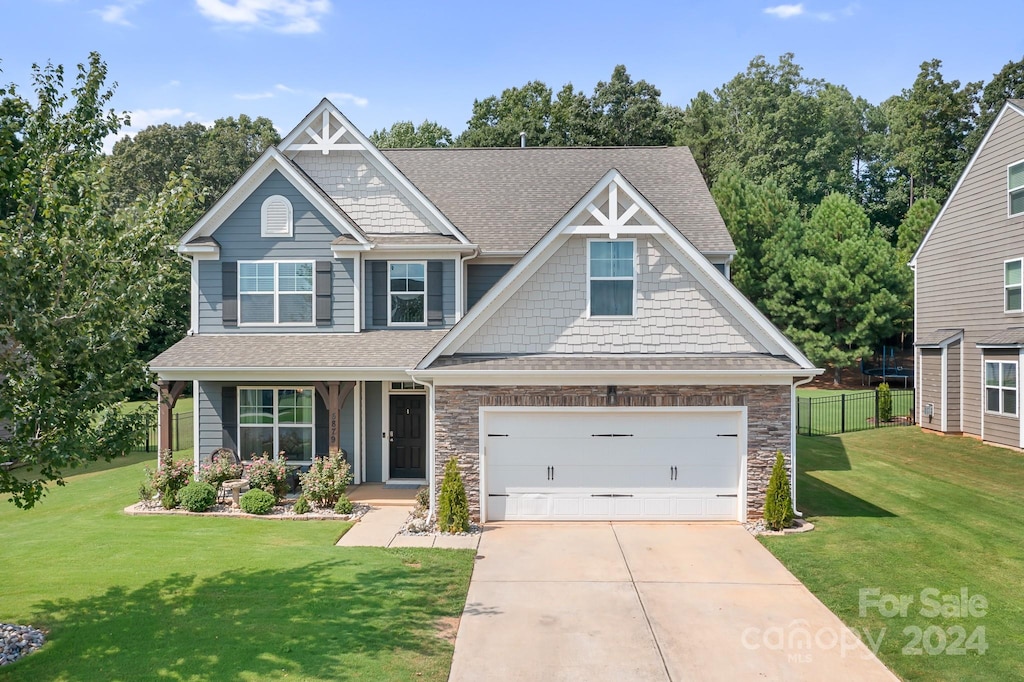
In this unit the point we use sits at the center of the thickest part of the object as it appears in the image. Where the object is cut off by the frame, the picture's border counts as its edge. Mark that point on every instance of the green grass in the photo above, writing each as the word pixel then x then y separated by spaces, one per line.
pixel 827 408
pixel 186 598
pixel 902 511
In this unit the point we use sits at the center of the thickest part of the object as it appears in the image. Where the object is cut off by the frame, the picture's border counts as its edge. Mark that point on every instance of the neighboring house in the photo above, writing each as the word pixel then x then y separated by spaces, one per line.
pixel 969 311
pixel 559 319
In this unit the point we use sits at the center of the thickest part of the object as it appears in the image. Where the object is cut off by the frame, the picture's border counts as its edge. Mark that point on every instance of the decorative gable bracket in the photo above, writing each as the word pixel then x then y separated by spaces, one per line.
pixel 329 134
pixel 611 212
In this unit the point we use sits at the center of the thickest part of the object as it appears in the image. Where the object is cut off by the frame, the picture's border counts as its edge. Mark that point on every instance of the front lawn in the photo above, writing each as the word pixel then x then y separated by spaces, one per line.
pixel 191 598
pixel 902 511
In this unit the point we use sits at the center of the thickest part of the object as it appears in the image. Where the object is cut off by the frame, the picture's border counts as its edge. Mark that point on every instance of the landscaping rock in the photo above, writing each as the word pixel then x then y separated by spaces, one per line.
pixel 17 641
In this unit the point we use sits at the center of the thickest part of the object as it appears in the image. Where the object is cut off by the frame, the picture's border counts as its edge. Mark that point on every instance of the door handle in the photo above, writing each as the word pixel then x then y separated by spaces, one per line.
pixel 391 437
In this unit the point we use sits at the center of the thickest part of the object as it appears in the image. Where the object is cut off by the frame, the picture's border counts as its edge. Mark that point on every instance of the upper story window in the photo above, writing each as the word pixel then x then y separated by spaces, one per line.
pixel 1012 286
pixel 276 217
pixel 611 277
pixel 407 293
pixel 1015 187
pixel 1001 388
pixel 272 292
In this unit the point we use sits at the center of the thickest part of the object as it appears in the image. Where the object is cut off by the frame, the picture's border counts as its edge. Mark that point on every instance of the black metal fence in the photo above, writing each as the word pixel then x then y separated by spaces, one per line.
pixel 853 411
pixel 181 433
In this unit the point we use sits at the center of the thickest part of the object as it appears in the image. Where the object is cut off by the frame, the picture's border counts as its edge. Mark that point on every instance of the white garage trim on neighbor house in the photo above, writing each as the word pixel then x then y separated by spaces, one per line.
pixel 586 463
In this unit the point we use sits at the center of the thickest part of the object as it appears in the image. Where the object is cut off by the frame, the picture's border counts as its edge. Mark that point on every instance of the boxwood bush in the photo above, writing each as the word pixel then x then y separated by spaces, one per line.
pixel 343 505
pixel 257 501
pixel 197 496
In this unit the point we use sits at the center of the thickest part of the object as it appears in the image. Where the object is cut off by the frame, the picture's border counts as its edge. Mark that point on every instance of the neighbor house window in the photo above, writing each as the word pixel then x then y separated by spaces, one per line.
pixel 275 420
pixel 407 293
pixel 275 293
pixel 1012 286
pixel 1015 187
pixel 1001 387
pixel 612 277
pixel 276 217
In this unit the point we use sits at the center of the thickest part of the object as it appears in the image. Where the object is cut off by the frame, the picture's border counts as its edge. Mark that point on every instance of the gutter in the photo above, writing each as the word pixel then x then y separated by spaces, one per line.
pixel 429 385
pixel 792 438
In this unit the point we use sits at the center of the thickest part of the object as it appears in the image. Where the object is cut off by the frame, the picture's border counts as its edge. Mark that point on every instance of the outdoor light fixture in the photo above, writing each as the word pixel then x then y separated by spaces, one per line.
pixel 612 395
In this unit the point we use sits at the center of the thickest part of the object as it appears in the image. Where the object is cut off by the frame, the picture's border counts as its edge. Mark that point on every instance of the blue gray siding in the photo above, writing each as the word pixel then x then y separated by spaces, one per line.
pixel 239 239
pixel 374 427
pixel 448 294
pixel 480 278
pixel 210 433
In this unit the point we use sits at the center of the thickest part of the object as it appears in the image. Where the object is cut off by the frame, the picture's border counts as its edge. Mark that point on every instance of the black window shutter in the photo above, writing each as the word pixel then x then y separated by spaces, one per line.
pixel 435 293
pixel 379 286
pixel 229 294
pixel 229 417
pixel 324 269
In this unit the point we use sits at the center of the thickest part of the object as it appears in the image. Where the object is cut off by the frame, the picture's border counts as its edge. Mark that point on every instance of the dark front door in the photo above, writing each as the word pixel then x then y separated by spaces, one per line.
pixel 408 436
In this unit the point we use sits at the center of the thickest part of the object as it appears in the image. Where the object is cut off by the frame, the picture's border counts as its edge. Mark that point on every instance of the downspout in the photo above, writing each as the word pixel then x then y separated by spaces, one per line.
pixel 193 293
pixel 463 289
pixel 429 385
pixel 792 445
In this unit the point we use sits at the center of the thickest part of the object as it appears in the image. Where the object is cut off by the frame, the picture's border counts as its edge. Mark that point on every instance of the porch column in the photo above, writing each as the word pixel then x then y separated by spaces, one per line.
pixel 335 394
pixel 167 395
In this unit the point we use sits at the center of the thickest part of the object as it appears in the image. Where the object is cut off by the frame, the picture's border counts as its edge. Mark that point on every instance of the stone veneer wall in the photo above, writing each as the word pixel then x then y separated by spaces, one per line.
pixel 457 423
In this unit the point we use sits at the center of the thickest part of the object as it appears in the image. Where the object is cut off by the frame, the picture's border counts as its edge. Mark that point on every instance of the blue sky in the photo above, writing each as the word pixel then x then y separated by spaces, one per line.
pixel 177 60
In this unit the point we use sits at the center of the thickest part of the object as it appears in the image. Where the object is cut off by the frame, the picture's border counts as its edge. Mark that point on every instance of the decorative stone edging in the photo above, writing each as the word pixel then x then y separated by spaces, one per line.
pixel 141 509
pixel 17 641
pixel 758 528
pixel 417 525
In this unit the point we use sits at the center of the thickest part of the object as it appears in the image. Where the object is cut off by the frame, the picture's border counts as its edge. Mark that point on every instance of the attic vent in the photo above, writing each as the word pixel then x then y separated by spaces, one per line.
pixel 276 217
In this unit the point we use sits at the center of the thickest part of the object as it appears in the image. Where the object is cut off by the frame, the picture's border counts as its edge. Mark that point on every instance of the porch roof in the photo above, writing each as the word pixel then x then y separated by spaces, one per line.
pixel 734 362
pixel 1010 338
pixel 397 349
pixel 936 338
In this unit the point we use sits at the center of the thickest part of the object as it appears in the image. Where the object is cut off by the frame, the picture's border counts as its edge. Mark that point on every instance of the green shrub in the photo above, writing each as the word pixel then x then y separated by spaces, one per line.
pixel 778 506
pixel 146 493
pixel 221 467
pixel 884 403
pixel 326 480
pixel 197 496
pixel 343 505
pixel 423 498
pixel 266 474
pixel 452 505
pixel 301 505
pixel 257 501
pixel 169 499
pixel 169 478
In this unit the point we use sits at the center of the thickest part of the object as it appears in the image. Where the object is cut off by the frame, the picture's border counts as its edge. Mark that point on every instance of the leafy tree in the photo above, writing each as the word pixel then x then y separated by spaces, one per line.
pixel 404 134
pixel 497 121
pixel 1008 83
pixel 835 286
pixel 630 112
pixel 79 285
pixel 913 228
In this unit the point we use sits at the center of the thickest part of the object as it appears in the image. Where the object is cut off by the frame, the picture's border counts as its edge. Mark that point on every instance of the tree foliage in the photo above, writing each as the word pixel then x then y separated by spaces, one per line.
pixel 778 502
pixel 405 135
pixel 913 228
pixel 79 284
pixel 1007 83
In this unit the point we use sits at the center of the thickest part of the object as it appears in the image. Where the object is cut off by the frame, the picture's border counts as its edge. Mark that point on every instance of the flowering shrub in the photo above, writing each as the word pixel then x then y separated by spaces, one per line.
pixel 325 482
pixel 266 474
pixel 221 467
pixel 169 478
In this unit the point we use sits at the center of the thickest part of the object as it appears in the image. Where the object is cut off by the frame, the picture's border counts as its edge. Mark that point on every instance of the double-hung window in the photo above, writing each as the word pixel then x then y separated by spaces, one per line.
pixel 273 292
pixel 1012 300
pixel 275 420
pixel 1015 188
pixel 407 293
pixel 1001 387
pixel 612 277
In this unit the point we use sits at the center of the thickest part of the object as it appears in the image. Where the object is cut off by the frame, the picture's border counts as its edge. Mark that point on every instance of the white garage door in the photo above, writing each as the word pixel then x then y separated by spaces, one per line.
pixel 593 464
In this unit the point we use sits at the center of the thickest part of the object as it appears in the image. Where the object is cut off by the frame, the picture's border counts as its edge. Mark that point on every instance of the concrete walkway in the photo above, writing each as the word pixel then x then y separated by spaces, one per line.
pixel 389 508
pixel 630 601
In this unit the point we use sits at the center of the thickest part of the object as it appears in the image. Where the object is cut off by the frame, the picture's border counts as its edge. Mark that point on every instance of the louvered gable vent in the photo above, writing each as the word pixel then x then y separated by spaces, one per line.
pixel 276 217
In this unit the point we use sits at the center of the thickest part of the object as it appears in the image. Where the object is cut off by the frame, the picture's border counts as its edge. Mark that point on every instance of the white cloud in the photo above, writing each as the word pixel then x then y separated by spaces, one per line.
pixel 285 88
pixel 348 97
pixel 785 11
pixel 249 96
pixel 282 16
pixel 117 13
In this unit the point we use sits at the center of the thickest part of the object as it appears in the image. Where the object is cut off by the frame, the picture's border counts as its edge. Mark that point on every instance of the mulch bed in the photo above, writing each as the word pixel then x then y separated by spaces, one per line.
pixel 280 512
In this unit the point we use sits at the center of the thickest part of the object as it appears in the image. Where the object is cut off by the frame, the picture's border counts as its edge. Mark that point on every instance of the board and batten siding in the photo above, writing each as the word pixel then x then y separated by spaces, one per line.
pixel 480 278
pixel 240 240
pixel 931 387
pixel 447 290
pixel 960 267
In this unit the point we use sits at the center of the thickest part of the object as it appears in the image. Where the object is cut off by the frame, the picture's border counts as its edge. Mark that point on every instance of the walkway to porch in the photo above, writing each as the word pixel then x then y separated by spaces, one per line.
pixel 389 508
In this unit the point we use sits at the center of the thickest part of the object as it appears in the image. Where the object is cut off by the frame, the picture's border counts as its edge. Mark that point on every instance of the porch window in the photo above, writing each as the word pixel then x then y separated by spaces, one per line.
pixel 612 277
pixel 1012 286
pixel 275 292
pixel 271 420
pixel 407 293
pixel 1015 188
pixel 1001 388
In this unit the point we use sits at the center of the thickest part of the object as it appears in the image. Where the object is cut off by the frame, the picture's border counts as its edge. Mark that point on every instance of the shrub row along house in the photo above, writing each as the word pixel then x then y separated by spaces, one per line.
pixel 559 319
pixel 969 308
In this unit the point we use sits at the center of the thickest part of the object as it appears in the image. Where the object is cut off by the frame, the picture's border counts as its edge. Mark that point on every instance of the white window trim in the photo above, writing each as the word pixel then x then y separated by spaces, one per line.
pixel 263 217
pixel 406 387
pixel 426 315
pixel 636 256
pixel 1015 388
pixel 1007 287
pixel 1011 190
pixel 276 424
pixel 277 294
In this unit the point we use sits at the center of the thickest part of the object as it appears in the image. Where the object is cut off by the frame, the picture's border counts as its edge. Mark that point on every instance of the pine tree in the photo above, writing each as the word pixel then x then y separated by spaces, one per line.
pixel 778 507
pixel 452 506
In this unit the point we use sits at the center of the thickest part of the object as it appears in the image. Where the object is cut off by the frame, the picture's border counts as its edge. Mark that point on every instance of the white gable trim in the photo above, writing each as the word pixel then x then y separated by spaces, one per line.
pixel 688 255
pixel 321 115
pixel 963 176
pixel 272 159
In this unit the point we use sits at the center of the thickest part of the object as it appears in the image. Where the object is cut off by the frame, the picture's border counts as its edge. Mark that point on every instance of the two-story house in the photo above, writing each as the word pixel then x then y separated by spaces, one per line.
pixel 969 311
pixel 559 319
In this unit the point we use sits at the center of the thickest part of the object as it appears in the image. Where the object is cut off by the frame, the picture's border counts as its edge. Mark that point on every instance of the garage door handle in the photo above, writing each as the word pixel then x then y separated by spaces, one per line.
pixel 612 435
pixel 673 473
pixel 733 495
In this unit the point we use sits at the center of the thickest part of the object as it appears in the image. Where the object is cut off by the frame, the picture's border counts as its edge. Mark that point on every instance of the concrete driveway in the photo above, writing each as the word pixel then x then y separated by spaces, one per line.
pixel 629 601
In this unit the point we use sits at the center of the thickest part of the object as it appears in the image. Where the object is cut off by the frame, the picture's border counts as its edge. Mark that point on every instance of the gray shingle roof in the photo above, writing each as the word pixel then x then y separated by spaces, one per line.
pixel 684 363
pixel 383 349
pixel 935 337
pixel 404 239
pixel 1014 336
pixel 505 199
